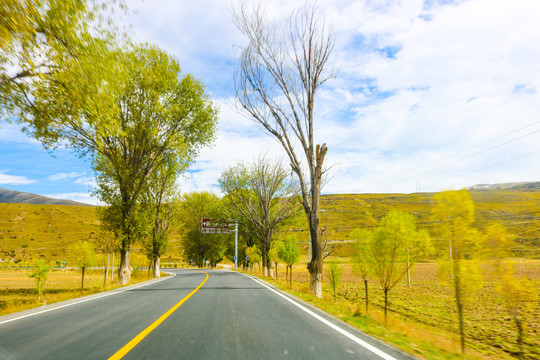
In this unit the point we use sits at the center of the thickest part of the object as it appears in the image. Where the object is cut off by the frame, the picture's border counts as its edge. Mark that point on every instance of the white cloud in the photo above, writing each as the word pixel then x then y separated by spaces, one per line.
pixel 14 179
pixel 65 176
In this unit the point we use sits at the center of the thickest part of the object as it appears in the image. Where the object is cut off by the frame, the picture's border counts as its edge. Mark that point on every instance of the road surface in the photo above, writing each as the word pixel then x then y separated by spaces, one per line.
pixel 231 316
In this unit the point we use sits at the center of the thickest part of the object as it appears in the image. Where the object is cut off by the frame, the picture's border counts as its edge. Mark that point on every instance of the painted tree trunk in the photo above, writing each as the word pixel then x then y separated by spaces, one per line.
pixel 155 268
pixel 124 271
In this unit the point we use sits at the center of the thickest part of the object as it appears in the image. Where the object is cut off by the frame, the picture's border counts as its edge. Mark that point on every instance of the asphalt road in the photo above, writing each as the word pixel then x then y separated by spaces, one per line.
pixel 232 316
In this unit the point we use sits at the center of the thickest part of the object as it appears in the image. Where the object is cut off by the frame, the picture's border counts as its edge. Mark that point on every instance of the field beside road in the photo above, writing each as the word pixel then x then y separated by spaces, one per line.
pixel 18 290
pixel 423 318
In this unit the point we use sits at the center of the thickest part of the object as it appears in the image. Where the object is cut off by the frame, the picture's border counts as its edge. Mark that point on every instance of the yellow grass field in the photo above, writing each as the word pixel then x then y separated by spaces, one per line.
pixel 18 290
pixel 423 318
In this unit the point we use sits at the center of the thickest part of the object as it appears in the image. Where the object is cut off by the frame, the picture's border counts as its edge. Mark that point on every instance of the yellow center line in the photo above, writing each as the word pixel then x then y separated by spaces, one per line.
pixel 137 339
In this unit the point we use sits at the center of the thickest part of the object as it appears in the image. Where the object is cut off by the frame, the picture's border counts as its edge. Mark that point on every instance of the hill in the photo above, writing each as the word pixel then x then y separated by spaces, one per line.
pixel 30 231
pixel 17 197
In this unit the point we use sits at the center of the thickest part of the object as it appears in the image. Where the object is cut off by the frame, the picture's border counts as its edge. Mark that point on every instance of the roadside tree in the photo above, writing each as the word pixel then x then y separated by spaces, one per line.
pixel 390 250
pixel 262 195
pixel 40 38
pixel 454 212
pixel 254 257
pixel 40 274
pixel 140 111
pixel 519 294
pixel 198 246
pixel 159 199
pixel 276 84
pixel 362 259
pixel 335 277
pixel 289 253
pixel 83 254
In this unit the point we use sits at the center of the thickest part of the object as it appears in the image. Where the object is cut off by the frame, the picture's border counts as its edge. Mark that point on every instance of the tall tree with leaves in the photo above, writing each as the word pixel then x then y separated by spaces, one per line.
pixel 41 38
pixel 519 294
pixel 263 195
pixel 160 201
pixel 390 250
pixel 199 246
pixel 362 258
pixel 454 211
pixel 281 69
pixel 128 124
pixel 83 254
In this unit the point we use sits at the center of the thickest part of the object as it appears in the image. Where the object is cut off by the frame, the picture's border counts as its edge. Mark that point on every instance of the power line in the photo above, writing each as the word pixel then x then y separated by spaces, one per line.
pixel 438 126
pixel 466 157
pixel 490 166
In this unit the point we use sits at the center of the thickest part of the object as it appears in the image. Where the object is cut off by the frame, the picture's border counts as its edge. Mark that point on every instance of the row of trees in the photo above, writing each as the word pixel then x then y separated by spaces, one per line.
pixel 389 252
pixel 73 80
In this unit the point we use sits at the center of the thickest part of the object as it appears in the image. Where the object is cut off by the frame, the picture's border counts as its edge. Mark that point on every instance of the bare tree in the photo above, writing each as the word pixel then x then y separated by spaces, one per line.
pixel 280 71
pixel 264 196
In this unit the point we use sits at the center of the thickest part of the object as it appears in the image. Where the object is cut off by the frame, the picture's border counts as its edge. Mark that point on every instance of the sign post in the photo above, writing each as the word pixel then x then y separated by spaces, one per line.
pixel 216 226
pixel 235 244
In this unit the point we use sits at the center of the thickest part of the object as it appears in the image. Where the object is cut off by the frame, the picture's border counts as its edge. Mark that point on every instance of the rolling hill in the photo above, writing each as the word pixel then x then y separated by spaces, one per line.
pixel 44 230
pixel 17 197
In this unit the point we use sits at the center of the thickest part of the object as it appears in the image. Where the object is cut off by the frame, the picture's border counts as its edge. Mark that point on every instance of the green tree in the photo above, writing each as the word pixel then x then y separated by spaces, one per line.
pixel 199 246
pixel 390 250
pixel 335 277
pixel 289 253
pixel 254 257
pixel 160 198
pixel 40 38
pixel 40 274
pixel 362 258
pixel 263 195
pixel 273 256
pixel 83 254
pixel 141 113
pixel 107 244
pixel 455 214
pixel 519 294
pixel 280 71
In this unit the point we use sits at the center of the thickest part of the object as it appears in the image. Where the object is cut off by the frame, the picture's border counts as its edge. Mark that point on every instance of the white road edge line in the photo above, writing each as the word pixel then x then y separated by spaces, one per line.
pixel 333 326
pixel 112 292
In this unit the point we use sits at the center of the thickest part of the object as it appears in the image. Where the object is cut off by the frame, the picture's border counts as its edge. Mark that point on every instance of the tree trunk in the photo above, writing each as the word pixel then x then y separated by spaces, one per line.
pixel 290 275
pixel 82 279
pixel 276 271
pixel 106 271
pixel 155 268
pixel 286 272
pixel 459 302
pixel 366 288
pixel 38 289
pixel 519 326
pixel 385 306
pixel 112 267
pixel 264 261
pixel 124 271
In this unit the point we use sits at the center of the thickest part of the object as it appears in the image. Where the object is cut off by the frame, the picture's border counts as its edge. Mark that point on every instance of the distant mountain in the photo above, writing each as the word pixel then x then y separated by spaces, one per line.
pixel 530 185
pixel 17 197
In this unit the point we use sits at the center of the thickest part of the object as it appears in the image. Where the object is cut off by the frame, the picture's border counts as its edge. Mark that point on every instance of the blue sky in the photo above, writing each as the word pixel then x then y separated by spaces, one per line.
pixel 429 95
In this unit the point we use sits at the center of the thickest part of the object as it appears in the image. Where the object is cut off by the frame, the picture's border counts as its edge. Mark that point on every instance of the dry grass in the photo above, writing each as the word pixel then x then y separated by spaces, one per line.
pixel 422 318
pixel 18 290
